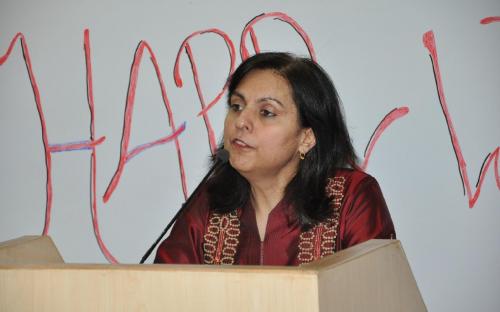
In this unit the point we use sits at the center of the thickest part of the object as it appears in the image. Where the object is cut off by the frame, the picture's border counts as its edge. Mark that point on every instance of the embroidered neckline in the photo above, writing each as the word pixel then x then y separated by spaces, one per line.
pixel 221 239
pixel 320 240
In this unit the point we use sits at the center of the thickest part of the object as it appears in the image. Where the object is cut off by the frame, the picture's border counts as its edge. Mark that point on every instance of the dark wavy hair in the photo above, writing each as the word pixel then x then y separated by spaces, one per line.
pixel 320 109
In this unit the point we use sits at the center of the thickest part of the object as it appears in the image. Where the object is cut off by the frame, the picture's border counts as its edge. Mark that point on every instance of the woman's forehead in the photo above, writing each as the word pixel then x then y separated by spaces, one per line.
pixel 263 83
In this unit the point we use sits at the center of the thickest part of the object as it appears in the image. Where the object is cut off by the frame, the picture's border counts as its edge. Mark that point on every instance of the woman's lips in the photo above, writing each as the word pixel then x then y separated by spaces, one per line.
pixel 240 144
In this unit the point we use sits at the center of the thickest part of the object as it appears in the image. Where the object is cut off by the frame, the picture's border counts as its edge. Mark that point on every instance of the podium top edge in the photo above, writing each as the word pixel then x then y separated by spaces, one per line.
pixel 313 268
pixel 21 240
pixel 352 253
pixel 162 268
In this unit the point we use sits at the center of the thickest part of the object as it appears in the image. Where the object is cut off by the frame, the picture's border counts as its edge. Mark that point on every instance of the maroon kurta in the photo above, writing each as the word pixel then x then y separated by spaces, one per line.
pixel 362 215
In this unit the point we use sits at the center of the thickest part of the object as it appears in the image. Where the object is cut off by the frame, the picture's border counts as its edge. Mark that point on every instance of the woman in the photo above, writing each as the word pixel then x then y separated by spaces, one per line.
pixel 291 192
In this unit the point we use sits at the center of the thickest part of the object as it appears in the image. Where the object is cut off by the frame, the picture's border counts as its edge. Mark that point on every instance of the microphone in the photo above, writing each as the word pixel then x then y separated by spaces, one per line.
pixel 222 157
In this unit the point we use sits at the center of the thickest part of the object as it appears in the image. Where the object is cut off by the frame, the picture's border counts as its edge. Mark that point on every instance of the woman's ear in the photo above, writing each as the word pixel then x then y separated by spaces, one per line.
pixel 308 140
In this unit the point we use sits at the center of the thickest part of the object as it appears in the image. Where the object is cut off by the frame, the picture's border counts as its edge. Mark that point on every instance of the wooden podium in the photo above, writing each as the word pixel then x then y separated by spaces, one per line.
pixel 373 276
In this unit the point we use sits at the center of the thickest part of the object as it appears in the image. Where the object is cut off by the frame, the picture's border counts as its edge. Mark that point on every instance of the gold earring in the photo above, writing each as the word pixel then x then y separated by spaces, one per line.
pixel 302 156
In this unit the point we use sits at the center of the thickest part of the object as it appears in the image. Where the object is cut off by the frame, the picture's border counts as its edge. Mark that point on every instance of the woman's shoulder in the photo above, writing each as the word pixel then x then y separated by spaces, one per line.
pixel 353 177
pixel 364 214
pixel 353 184
pixel 197 208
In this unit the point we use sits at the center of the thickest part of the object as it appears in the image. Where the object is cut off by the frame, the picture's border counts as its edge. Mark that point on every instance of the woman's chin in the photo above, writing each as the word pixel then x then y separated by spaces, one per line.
pixel 241 165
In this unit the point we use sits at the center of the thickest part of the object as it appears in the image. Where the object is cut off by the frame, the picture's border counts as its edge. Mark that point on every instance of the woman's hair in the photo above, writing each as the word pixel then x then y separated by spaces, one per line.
pixel 319 108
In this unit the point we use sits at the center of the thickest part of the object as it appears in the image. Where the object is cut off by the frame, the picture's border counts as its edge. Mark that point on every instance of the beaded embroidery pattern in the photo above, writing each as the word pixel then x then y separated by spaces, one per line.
pixel 221 238
pixel 319 241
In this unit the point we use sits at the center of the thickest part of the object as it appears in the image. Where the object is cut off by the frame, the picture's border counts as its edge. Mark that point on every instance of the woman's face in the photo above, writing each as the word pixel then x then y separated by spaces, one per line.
pixel 261 131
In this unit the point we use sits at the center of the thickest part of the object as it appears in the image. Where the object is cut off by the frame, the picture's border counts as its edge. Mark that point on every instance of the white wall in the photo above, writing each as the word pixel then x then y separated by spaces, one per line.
pixel 375 55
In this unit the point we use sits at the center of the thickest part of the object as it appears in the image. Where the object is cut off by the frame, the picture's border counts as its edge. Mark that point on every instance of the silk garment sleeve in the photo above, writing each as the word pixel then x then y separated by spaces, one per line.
pixel 184 245
pixel 365 214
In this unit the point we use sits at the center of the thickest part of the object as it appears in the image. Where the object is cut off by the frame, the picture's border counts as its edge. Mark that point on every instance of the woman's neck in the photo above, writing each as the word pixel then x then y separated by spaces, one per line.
pixel 267 189
pixel 265 196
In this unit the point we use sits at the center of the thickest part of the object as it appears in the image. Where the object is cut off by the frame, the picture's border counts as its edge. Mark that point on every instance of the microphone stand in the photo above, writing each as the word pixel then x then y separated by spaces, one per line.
pixel 223 156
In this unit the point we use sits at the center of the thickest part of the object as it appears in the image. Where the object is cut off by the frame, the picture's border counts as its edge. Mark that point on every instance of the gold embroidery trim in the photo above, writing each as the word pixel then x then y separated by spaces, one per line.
pixel 221 239
pixel 319 241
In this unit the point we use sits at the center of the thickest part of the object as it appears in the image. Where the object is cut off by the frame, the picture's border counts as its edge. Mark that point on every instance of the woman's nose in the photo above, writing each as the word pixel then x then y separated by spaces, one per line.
pixel 244 120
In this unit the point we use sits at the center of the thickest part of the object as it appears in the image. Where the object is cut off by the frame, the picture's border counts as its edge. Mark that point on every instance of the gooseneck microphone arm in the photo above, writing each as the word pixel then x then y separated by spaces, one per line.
pixel 222 156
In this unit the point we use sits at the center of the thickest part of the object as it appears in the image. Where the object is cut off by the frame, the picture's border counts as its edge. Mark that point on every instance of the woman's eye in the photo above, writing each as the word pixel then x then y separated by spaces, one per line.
pixel 235 107
pixel 267 113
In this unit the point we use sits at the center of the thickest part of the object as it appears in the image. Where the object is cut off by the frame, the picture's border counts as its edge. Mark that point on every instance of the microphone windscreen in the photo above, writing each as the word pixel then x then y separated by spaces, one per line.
pixel 222 155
